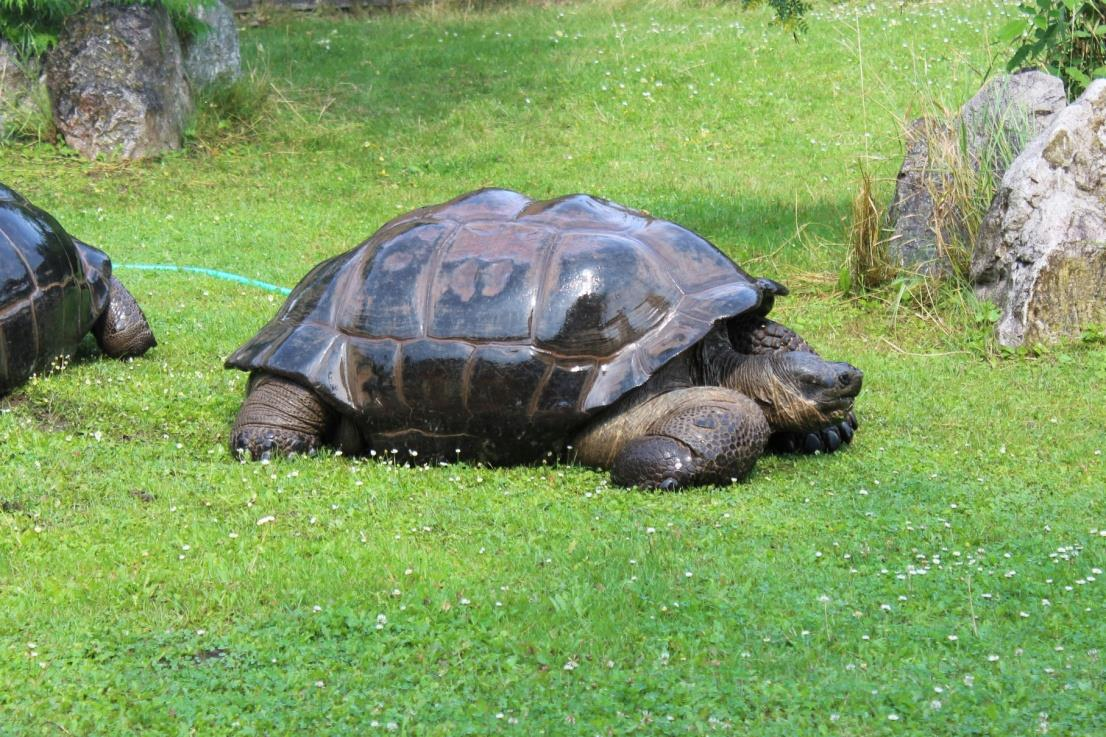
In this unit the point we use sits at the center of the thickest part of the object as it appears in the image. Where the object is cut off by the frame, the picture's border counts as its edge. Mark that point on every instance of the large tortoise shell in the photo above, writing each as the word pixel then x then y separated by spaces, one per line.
pixel 493 314
pixel 53 288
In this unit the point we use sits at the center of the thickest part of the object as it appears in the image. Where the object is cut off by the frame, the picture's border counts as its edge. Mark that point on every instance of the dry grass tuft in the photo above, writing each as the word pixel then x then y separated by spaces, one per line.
pixel 868 264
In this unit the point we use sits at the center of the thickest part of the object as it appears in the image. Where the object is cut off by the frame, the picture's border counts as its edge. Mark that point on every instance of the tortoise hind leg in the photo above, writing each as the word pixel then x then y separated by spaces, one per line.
pixel 279 417
pixel 685 437
pixel 122 330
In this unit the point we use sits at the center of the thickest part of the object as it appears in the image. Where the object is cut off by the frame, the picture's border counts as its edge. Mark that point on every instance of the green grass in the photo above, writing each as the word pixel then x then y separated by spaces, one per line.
pixel 140 595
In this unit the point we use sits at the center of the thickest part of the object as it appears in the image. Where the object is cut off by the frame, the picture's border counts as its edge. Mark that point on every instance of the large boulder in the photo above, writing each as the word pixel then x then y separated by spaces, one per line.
pixel 942 160
pixel 1007 113
pixel 1041 253
pixel 117 83
pixel 213 55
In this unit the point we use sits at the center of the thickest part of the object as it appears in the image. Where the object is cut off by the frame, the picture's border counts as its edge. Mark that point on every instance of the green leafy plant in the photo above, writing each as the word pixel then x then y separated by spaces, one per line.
pixel 1065 37
pixel 28 117
pixel 33 25
pixel 789 13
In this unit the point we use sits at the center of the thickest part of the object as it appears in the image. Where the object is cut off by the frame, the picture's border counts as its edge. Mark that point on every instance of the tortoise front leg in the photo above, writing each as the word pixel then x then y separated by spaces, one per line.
pixel 684 437
pixel 279 417
pixel 122 330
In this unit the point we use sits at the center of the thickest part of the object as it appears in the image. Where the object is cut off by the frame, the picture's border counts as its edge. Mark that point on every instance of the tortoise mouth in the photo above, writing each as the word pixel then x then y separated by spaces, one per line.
pixel 836 409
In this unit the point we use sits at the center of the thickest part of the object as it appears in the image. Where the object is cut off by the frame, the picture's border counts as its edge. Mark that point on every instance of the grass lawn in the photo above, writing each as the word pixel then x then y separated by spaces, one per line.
pixel 939 577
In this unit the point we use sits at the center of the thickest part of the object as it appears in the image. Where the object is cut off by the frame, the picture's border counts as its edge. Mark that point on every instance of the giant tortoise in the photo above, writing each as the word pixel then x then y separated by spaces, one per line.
pixel 53 290
pixel 499 329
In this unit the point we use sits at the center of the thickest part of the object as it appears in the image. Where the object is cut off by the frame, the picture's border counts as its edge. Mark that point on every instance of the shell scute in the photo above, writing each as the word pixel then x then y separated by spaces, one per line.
pixel 485 284
pixel 696 263
pixel 432 373
pixel 372 378
pixel 20 345
pixel 602 293
pixel 483 204
pixel 15 281
pixel 581 210
pixel 384 294
pixel 502 382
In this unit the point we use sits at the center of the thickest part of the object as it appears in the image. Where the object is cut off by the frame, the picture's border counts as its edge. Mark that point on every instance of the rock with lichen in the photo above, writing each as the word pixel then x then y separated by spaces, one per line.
pixel 117 82
pixel 1041 253
pixel 213 54
pixel 943 160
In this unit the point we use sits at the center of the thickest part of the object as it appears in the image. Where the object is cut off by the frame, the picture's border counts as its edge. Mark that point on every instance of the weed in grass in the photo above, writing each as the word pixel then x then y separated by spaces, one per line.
pixel 230 112
pixel 867 263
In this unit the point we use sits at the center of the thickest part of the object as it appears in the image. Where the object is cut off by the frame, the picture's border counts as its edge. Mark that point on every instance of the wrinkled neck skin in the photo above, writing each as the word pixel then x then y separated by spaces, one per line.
pixel 716 363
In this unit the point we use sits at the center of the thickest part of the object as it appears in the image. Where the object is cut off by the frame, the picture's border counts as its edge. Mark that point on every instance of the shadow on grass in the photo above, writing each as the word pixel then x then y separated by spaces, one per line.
pixel 408 71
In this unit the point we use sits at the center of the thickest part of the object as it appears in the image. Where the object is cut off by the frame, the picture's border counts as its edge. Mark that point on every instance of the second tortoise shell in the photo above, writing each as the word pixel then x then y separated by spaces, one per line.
pixel 53 289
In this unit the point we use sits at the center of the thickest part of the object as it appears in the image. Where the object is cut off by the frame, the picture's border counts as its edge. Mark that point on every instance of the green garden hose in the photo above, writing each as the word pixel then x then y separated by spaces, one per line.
pixel 225 275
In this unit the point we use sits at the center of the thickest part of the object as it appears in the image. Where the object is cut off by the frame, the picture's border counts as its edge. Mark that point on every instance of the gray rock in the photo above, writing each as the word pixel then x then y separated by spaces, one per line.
pixel 921 237
pixel 1041 254
pixel 1018 107
pixel 116 82
pixel 15 84
pixel 930 228
pixel 214 54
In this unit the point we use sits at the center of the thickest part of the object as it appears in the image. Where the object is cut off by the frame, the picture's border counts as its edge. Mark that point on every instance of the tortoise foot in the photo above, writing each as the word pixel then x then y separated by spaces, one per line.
pixel 262 443
pixel 654 462
pixel 826 440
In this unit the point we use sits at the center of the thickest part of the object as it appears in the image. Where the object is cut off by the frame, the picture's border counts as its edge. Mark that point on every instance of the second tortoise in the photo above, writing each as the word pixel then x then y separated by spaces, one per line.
pixel 500 329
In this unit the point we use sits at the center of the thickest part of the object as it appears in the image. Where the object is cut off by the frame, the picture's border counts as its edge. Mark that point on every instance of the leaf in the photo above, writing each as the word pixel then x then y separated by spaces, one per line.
pixel 1078 75
pixel 1019 56
pixel 1012 30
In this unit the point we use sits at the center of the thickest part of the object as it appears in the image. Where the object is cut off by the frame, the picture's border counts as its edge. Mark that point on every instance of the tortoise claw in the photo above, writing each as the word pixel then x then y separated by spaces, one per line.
pixel 826 440
pixel 846 431
pixel 812 443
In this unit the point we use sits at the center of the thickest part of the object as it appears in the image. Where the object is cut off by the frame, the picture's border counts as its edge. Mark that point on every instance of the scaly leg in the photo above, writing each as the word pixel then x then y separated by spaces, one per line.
pixel 122 330
pixel 279 417
pixel 684 437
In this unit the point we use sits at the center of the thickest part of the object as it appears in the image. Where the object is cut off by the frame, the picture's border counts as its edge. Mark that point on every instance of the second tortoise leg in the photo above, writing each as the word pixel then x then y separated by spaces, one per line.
pixel 683 437
pixel 122 330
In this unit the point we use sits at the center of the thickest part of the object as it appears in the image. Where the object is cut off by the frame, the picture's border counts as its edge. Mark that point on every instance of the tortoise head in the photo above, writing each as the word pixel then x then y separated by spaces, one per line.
pixel 799 390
